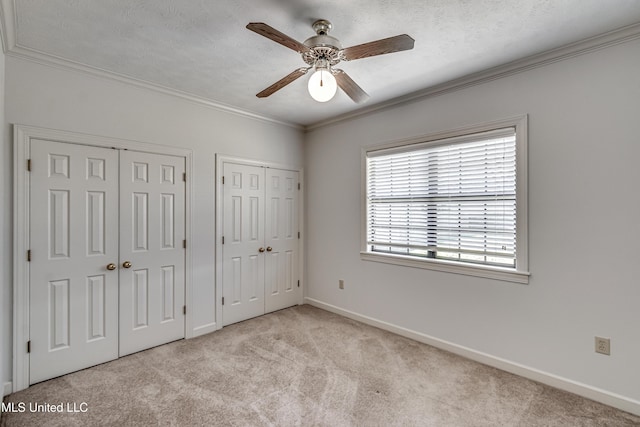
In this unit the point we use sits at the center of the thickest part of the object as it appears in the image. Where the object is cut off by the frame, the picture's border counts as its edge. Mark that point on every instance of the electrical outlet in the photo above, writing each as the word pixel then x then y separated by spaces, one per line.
pixel 341 284
pixel 603 345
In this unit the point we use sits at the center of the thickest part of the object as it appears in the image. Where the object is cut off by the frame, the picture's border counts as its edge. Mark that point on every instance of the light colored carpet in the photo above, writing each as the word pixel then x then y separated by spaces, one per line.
pixel 305 366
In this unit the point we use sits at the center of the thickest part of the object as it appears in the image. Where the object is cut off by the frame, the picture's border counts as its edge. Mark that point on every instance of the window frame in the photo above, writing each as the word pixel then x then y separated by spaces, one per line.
pixel 519 274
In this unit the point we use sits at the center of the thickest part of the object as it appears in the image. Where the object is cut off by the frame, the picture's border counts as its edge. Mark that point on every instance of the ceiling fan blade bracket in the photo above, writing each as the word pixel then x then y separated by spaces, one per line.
pixel 330 54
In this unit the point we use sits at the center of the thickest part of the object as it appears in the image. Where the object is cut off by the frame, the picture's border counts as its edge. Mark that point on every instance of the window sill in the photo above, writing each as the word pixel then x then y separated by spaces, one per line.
pixel 496 273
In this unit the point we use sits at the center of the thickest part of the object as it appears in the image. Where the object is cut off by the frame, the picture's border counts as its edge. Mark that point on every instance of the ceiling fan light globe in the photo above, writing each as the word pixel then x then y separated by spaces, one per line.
pixel 322 85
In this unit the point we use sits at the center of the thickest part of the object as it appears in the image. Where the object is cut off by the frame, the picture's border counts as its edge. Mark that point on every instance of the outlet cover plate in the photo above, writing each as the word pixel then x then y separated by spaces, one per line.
pixel 603 345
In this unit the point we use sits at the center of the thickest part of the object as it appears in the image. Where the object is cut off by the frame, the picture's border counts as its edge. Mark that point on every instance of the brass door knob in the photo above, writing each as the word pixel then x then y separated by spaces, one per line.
pixel 261 250
pixel 269 248
pixel 111 266
pixel 126 264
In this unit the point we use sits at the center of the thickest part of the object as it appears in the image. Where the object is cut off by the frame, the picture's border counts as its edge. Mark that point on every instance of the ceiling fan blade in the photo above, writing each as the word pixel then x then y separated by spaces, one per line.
pixel 278 37
pixel 283 82
pixel 378 47
pixel 350 87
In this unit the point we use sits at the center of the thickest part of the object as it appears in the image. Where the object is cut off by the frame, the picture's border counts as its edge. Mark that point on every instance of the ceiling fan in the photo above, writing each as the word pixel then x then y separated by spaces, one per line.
pixel 322 52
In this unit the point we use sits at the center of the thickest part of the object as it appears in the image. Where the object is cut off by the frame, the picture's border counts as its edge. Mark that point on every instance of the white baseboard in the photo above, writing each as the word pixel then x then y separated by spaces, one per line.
pixel 584 390
pixel 204 329
pixel 8 388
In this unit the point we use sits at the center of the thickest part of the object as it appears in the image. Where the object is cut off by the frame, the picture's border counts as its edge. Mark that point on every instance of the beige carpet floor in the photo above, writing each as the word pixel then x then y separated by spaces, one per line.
pixel 304 366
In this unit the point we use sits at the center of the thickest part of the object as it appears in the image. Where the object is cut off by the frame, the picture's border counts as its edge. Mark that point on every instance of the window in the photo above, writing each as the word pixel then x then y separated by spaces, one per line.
pixel 451 202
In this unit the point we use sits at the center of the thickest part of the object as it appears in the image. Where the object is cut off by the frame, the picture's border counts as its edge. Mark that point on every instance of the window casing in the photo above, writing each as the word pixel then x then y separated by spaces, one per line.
pixel 453 202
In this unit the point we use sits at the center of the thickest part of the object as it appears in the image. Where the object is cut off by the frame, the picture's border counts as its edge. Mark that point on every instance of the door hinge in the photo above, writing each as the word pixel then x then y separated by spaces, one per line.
pixel 29 255
pixel 29 346
pixel 184 309
pixel 298 186
pixel 222 300
pixel 184 244
pixel 184 176
pixel 298 283
pixel 223 240
pixel 29 165
pixel 298 234
pixel 223 180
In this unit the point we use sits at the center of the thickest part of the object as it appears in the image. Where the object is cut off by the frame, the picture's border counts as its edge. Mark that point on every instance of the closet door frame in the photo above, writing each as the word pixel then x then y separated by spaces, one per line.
pixel 220 160
pixel 22 136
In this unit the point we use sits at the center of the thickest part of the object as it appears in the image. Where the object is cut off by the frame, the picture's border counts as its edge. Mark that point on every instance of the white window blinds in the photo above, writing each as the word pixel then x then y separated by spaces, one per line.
pixel 452 199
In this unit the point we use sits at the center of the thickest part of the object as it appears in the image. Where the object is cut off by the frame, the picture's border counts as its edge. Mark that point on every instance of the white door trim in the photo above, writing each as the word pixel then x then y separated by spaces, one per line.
pixel 22 136
pixel 220 160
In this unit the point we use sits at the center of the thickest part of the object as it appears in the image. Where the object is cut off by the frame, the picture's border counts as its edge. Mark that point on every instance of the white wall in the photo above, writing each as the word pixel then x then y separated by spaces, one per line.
pixel 45 96
pixel 584 223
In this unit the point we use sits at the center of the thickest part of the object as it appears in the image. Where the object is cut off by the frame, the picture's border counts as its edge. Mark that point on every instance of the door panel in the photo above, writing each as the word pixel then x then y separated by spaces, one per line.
pixel 281 269
pixel 260 252
pixel 152 229
pixel 243 230
pixel 73 297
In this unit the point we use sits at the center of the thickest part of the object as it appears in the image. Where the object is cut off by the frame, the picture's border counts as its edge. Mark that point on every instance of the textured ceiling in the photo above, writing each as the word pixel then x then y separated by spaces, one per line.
pixel 202 48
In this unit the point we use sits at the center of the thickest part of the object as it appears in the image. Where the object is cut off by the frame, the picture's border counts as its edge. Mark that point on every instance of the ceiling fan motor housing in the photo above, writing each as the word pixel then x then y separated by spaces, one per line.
pixel 323 46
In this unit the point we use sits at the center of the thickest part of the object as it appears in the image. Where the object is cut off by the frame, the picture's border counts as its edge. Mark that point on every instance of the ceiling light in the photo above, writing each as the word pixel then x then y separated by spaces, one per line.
pixel 322 85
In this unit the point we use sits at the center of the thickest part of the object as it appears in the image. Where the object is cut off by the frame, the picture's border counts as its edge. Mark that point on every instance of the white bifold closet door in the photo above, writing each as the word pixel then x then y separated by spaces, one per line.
pixel 152 232
pixel 282 288
pixel 261 240
pixel 107 260
pixel 73 303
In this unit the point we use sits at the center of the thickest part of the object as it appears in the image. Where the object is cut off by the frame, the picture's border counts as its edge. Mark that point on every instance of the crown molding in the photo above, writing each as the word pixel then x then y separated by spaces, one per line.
pixel 57 62
pixel 11 48
pixel 602 41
